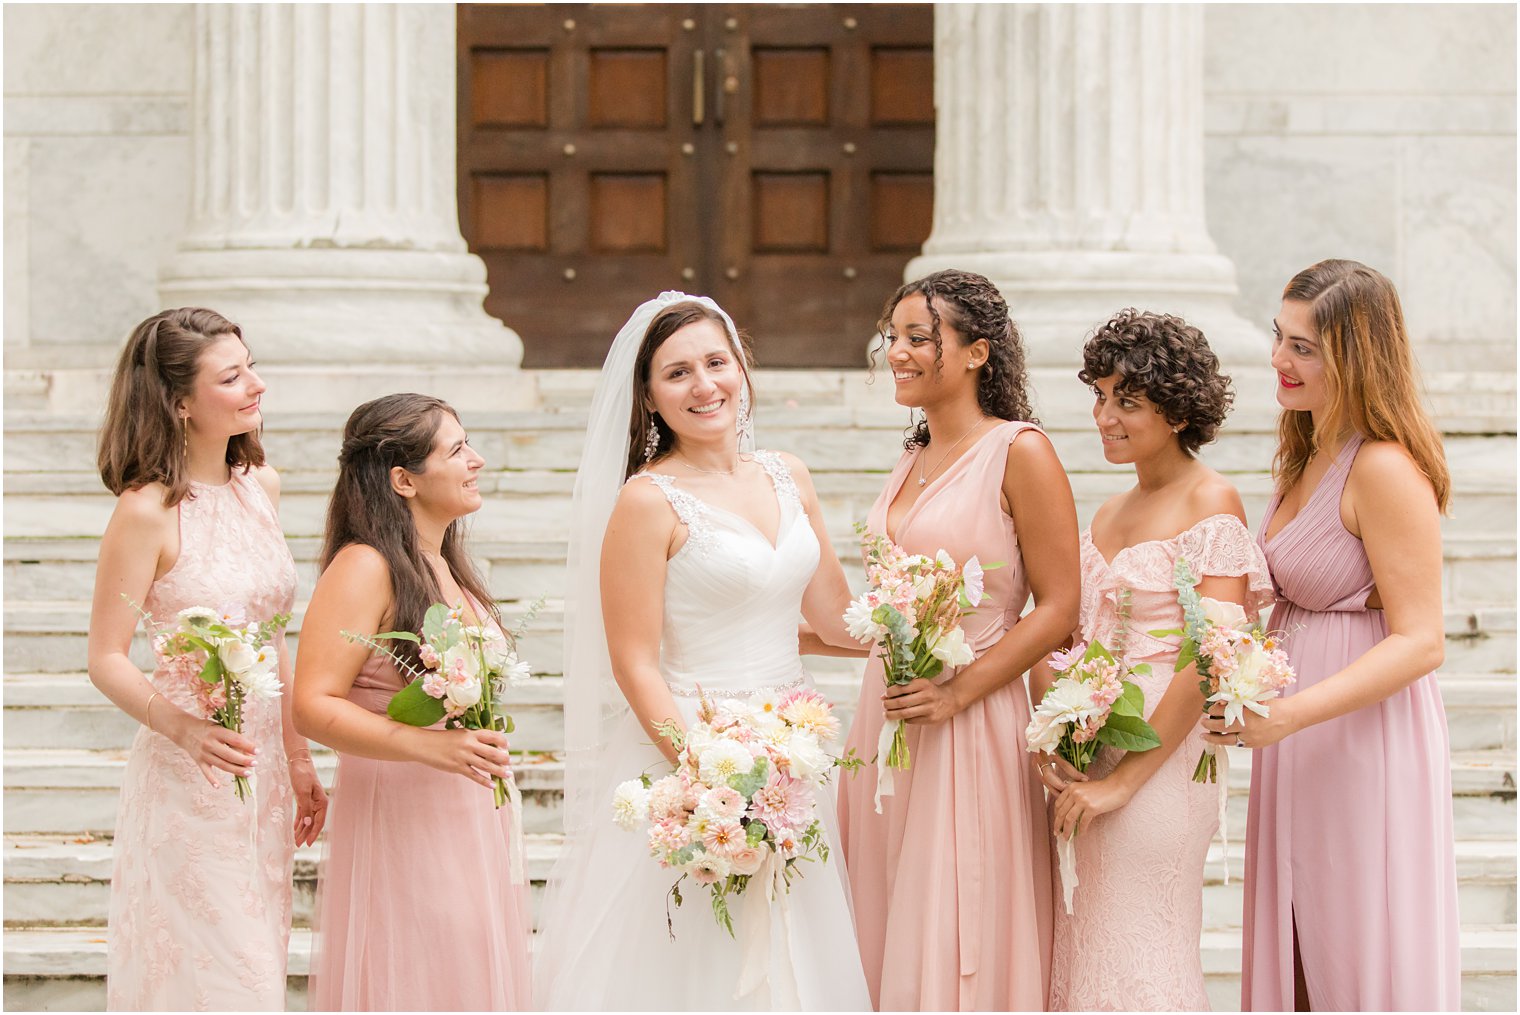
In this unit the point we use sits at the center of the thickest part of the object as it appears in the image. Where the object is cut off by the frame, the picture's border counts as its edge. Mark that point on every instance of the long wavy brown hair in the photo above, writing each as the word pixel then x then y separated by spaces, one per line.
pixel 972 306
pixel 396 430
pixel 666 323
pixel 142 440
pixel 1369 371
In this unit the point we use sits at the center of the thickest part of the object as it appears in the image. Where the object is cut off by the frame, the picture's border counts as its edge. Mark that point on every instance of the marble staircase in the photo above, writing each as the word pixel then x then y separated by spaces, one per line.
pixel 64 744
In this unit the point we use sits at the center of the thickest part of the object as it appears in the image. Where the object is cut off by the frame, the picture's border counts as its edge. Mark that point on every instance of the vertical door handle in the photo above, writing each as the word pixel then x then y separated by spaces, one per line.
pixel 721 55
pixel 698 89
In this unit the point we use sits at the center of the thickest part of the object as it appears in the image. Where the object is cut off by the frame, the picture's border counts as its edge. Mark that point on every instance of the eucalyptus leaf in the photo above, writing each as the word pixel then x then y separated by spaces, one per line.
pixel 414 706
pixel 434 620
pixel 399 636
pixel 752 781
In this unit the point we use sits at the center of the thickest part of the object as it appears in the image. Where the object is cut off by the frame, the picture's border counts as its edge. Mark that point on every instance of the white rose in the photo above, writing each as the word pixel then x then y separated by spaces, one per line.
pixel 1068 701
pixel 1042 734
pixel 460 659
pixel 807 759
pixel 236 655
pixel 630 804
pixel 951 648
pixel 463 693
pixel 1226 614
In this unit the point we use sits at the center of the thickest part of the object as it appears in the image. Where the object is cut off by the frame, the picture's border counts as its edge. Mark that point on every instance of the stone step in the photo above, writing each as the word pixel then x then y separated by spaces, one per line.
pixel 533 504
pixel 1478 570
pixel 53 880
pixel 50 637
pixel 64 710
pixel 64 969
pixel 75 791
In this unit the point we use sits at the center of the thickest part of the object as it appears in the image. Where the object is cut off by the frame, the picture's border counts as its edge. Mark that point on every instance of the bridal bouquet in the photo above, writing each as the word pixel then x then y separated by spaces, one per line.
pixel 1091 704
pixel 1239 664
pixel 739 805
pixel 239 661
pixel 912 612
pixel 466 672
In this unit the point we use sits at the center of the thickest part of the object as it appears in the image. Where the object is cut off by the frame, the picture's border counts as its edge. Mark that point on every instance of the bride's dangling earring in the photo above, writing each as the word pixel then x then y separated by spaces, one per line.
pixel 651 442
pixel 744 427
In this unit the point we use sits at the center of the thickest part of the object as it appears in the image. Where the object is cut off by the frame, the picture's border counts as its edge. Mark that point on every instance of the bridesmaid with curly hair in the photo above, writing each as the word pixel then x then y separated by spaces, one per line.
pixel 1132 939
pixel 950 880
pixel 1351 885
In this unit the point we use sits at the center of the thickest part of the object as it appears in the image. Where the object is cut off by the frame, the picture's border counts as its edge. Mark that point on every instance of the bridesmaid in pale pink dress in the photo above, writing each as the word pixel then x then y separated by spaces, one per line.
pixel 951 882
pixel 417 909
pixel 1351 889
pixel 200 888
pixel 1132 940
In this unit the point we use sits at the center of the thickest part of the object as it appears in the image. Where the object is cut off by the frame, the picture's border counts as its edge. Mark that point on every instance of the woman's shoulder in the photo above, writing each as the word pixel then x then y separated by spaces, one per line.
pixel 359 562
pixel 268 479
pixel 1384 466
pixel 1212 498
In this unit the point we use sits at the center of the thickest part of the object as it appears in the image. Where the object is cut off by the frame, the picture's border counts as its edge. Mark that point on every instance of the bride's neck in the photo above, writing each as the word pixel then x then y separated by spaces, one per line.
pixel 720 455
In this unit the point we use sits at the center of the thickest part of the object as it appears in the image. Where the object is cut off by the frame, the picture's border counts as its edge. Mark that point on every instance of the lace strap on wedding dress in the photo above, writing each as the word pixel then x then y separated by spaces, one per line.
pixel 691 511
pixel 780 475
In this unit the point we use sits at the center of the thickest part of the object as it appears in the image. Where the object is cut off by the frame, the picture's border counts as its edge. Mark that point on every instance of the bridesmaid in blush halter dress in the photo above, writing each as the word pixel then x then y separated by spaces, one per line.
pixel 200 887
pixel 1351 890
pixel 1132 940
pixel 951 881
pixel 416 907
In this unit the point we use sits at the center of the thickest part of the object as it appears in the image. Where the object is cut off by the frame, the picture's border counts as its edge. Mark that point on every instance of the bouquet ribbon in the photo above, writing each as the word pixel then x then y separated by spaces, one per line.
pixel 884 770
pixel 515 849
pixel 1223 787
pixel 767 886
pixel 1066 852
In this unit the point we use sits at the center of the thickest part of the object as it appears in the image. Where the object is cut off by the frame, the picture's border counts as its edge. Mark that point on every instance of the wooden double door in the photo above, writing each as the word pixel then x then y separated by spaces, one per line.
pixel 775 157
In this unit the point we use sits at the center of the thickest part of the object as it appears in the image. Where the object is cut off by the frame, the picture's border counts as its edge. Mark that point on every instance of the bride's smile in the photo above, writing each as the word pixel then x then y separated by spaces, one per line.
pixel 695 383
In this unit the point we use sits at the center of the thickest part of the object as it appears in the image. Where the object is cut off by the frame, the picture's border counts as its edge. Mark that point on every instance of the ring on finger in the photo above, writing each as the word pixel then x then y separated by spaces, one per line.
pixel 1238 741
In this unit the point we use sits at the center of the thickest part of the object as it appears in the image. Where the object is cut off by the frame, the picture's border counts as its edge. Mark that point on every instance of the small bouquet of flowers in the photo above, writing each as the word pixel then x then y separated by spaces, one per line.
pixel 1238 662
pixel 1091 704
pixel 466 672
pixel 739 805
pixel 912 612
pixel 238 661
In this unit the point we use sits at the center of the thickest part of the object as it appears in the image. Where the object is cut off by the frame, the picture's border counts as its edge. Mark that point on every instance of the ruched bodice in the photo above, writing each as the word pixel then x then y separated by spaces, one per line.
pixel 1316 534
pixel 731 598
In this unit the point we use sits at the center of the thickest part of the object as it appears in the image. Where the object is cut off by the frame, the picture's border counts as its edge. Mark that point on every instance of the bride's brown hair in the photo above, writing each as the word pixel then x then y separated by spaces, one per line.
pixel 666 323
pixel 1369 373
pixel 142 440
pixel 396 430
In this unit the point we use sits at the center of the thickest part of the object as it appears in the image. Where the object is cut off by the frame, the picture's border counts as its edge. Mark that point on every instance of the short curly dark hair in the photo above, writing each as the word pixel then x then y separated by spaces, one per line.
pixel 1168 361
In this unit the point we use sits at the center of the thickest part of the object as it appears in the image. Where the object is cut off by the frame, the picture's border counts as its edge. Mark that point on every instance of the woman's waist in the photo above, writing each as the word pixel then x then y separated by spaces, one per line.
pixel 734 680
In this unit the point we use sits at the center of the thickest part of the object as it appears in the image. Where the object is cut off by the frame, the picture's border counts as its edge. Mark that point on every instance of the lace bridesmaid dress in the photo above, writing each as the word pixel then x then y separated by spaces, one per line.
pixel 1350 834
pixel 200 887
pixel 732 602
pixel 951 882
pixel 416 909
pixel 1132 940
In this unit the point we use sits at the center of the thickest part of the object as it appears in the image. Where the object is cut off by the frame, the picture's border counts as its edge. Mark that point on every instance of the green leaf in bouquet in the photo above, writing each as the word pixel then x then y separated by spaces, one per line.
pixel 1095 650
pixel 507 725
pixel 1131 700
pixel 754 832
pixel 1185 655
pixel 414 706
pixel 752 781
pixel 211 673
pixel 720 913
pixel 1167 632
pixel 434 621
pixel 1144 669
pixel 1128 733
pixel 399 636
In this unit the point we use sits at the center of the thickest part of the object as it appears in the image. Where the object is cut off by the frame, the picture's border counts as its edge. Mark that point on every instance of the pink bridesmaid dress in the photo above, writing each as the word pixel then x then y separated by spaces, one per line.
pixel 416 907
pixel 1350 836
pixel 951 882
pixel 200 886
pixel 1132 940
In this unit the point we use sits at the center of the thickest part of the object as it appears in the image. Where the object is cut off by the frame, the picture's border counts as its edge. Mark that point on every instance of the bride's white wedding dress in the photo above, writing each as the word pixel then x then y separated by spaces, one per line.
pixel 732 603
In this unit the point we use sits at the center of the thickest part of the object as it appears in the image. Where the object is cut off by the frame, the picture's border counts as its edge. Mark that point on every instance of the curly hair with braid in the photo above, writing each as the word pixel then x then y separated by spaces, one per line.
pixel 971 306
pixel 1168 361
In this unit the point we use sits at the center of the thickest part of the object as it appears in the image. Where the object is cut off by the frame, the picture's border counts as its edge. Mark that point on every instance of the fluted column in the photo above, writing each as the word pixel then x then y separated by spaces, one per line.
pixel 1069 168
pixel 323 212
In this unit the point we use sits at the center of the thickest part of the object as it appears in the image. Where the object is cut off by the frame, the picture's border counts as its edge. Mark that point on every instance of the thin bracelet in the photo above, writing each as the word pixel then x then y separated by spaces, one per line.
pixel 299 752
pixel 148 712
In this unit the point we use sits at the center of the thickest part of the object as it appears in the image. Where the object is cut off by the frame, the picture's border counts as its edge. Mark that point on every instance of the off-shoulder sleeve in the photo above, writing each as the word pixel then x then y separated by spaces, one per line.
pixel 1222 547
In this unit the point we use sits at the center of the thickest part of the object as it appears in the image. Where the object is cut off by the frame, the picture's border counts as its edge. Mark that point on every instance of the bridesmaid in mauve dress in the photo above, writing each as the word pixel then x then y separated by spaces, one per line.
pixel 200 887
pixel 1351 889
pixel 1131 941
pixel 417 908
pixel 950 883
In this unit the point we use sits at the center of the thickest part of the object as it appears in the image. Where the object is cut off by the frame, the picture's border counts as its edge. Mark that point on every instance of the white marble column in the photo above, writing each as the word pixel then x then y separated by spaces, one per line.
pixel 324 216
pixel 1069 169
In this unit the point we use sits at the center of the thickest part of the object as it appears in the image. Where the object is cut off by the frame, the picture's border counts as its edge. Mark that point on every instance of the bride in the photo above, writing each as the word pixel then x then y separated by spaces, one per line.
pixel 690 561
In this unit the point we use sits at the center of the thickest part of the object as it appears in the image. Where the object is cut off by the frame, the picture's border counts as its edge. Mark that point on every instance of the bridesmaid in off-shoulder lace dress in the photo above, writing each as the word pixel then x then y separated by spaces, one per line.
pixel 1132 940
pixel 951 879
pixel 200 887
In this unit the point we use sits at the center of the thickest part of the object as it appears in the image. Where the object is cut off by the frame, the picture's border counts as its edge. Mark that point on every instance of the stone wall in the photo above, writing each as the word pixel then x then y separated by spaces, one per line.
pixel 1380 132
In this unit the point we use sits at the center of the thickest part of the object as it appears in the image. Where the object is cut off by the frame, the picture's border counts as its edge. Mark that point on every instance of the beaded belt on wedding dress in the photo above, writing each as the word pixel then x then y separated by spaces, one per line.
pixel 694 692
